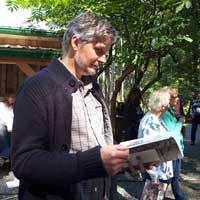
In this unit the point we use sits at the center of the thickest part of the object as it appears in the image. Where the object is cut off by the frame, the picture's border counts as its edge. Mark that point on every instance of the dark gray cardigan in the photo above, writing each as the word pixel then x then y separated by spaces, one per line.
pixel 42 134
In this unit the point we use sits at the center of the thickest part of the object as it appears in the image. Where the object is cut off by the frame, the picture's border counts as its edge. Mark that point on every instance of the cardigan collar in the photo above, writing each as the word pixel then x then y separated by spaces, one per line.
pixel 64 77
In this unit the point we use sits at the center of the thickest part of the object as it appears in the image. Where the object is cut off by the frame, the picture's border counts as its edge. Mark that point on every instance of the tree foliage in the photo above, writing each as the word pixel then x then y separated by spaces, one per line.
pixel 158 41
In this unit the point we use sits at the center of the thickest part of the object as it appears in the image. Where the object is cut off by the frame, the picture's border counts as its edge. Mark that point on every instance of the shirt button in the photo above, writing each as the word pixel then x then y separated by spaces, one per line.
pixel 64 147
pixel 72 83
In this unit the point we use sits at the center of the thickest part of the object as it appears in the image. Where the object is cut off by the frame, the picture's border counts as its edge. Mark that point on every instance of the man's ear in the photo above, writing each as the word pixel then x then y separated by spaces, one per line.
pixel 74 43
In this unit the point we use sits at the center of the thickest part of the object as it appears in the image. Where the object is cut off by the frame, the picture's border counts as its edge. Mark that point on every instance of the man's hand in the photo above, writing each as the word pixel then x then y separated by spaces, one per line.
pixel 114 158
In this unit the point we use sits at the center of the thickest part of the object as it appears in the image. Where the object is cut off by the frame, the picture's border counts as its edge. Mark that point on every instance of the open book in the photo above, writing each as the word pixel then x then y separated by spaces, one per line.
pixel 162 147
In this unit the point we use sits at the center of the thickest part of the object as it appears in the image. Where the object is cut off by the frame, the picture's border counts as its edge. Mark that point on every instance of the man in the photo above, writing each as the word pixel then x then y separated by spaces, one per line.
pixel 195 113
pixel 62 137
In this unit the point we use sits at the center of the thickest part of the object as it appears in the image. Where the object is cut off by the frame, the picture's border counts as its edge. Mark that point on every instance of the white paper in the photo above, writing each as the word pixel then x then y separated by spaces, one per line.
pixel 13 183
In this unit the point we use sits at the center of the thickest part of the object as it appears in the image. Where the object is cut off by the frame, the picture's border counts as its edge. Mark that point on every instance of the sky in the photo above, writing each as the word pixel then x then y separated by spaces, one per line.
pixel 12 19
pixel 16 19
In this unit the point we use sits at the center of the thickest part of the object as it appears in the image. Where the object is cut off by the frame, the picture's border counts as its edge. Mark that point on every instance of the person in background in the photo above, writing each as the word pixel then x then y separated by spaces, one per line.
pixel 62 141
pixel 174 124
pixel 151 125
pixel 9 115
pixel 6 123
pixel 195 114
pixel 179 112
pixel 133 114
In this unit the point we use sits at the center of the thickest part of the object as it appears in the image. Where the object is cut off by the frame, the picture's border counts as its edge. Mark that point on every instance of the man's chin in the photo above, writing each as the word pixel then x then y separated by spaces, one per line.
pixel 91 73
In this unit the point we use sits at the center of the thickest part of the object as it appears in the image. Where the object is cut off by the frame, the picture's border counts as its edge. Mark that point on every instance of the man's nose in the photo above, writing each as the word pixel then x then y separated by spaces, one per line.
pixel 102 59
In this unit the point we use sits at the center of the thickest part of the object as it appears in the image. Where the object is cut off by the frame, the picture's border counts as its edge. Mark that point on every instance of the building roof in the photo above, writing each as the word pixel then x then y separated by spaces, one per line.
pixel 28 44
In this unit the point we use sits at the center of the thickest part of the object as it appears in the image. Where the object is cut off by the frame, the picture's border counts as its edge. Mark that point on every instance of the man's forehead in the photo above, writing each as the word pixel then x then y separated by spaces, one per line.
pixel 105 42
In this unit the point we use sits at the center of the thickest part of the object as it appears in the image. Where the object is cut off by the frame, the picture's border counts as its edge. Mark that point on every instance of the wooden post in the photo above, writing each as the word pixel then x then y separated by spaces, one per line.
pixel 3 80
pixel 26 68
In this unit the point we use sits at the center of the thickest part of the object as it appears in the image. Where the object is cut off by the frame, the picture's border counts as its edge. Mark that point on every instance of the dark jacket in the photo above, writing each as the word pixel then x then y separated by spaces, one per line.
pixel 42 134
pixel 195 109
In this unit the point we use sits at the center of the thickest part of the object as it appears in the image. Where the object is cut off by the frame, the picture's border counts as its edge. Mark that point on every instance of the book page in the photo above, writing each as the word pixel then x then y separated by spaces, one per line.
pixel 165 148
pixel 146 140
pixel 147 156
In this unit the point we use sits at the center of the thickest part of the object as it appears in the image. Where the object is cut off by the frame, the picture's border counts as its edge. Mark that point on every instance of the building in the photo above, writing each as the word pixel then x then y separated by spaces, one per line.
pixel 22 53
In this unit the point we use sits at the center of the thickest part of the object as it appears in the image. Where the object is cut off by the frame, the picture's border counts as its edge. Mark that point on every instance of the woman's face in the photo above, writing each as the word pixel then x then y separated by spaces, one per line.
pixel 173 99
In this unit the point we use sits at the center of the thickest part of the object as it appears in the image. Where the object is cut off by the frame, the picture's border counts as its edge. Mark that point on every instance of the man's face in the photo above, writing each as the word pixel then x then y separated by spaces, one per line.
pixel 90 56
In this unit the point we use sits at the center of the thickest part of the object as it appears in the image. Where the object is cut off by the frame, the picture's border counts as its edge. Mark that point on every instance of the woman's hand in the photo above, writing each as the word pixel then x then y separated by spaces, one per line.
pixel 155 182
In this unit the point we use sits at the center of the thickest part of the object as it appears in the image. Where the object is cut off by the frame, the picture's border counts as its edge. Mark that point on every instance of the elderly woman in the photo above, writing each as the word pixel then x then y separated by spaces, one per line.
pixel 151 125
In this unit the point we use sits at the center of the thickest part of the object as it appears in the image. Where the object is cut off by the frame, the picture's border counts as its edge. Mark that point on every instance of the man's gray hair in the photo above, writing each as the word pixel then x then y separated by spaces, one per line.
pixel 158 99
pixel 88 27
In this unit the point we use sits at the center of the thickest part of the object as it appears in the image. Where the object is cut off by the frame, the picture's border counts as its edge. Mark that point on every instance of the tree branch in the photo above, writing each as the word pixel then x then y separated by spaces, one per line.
pixel 154 80
pixel 118 84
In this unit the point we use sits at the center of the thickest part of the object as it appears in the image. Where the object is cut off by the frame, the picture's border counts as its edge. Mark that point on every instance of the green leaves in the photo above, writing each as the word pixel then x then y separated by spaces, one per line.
pixel 184 3
pixel 185 37
pixel 148 29
pixel 180 7
pixel 161 42
pixel 188 4
pixel 12 5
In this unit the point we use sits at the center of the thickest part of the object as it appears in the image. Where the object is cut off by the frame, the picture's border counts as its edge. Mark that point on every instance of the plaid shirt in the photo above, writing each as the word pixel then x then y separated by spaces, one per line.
pixel 87 121
pixel 89 129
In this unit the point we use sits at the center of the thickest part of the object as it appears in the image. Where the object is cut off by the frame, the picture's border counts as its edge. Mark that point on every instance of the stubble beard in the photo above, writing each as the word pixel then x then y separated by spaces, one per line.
pixel 83 67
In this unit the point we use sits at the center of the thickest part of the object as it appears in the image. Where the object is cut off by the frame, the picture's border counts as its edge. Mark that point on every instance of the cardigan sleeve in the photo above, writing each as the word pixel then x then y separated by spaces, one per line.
pixel 31 159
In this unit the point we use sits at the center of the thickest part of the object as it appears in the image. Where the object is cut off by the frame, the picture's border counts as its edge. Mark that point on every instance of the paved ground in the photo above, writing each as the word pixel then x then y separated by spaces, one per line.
pixel 190 175
pixel 130 187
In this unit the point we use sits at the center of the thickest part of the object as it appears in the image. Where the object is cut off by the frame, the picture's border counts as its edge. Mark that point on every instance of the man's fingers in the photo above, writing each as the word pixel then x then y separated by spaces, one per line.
pixel 114 158
pixel 120 147
pixel 120 152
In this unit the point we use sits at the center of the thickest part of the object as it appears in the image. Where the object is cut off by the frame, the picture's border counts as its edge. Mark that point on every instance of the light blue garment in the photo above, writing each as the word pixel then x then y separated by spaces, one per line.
pixel 150 126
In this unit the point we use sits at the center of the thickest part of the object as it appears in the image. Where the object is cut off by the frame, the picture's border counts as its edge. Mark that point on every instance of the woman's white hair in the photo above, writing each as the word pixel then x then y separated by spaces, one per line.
pixel 158 99
pixel 171 91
